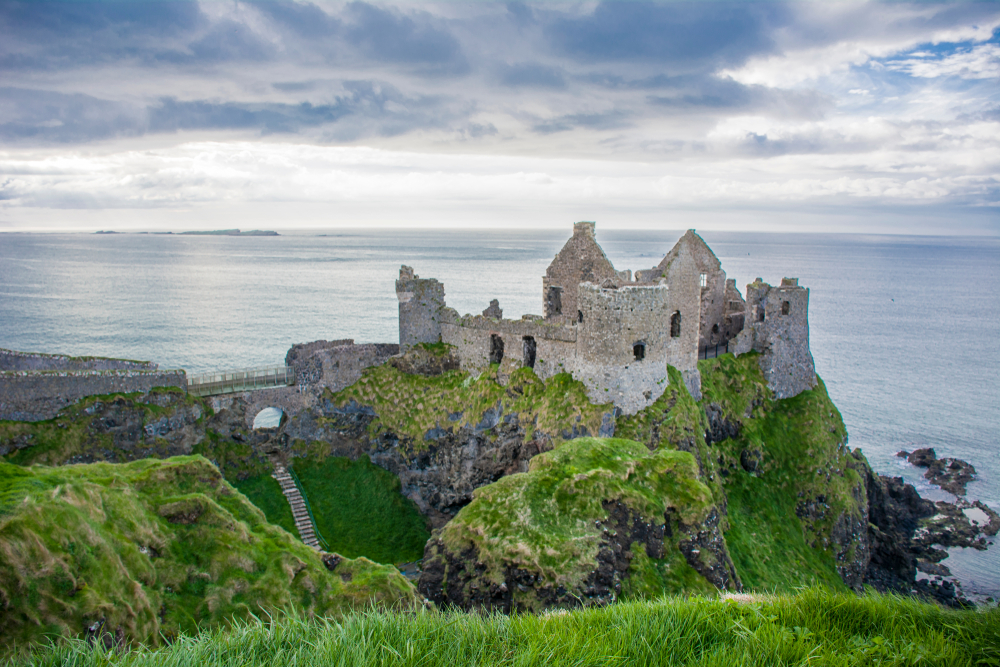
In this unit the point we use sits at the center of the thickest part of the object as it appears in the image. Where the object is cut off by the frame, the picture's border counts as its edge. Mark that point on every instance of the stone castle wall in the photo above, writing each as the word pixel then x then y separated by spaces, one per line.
pixel 40 395
pixel 11 360
pixel 421 302
pixel 777 327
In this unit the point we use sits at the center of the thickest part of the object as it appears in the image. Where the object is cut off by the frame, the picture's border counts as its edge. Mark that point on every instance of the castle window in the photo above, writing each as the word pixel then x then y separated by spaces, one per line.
pixel 639 350
pixel 785 307
pixel 675 324
pixel 579 316
pixel 530 348
pixel 553 301
pixel 496 349
pixel 760 313
pixel 715 328
pixel 704 280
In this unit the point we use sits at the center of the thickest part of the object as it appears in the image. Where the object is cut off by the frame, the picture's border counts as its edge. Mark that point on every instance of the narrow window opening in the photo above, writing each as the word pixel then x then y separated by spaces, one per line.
pixel 496 349
pixel 785 307
pixel 715 328
pixel 639 350
pixel 704 280
pixel 554 301
pixel 675 324
pixel 579 316
pixel 760 313
pixel 529 351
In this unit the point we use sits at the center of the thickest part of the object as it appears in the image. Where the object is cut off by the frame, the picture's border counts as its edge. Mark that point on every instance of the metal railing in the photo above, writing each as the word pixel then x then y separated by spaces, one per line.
pixel 713 351
pixel 248 379
pixel 305 499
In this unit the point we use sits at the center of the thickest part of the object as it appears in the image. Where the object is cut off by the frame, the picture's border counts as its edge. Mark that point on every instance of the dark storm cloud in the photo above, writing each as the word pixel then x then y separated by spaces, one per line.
pixel 366 108
pixel 683 35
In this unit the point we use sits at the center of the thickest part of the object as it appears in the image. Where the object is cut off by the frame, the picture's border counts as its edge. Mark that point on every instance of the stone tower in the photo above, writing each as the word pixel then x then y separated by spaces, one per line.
pixel 777 326
pixel 421 306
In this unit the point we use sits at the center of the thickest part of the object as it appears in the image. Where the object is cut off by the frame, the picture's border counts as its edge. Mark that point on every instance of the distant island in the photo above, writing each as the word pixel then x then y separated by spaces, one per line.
pixel 215 232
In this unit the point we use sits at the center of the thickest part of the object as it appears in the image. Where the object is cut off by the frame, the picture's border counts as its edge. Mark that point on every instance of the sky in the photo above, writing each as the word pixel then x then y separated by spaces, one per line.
pixel 753 116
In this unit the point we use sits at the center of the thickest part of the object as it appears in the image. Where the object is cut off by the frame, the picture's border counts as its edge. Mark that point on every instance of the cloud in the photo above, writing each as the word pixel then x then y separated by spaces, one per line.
pixel 684 36
pixel 389 36
pixel 531 75
pixel 978 62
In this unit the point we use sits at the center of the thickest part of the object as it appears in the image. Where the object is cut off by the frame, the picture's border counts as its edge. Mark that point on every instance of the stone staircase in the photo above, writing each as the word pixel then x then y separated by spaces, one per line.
pixel 307 532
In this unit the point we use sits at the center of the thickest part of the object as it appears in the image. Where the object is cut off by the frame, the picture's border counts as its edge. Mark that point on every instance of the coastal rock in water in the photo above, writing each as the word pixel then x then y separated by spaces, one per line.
pixel 950 474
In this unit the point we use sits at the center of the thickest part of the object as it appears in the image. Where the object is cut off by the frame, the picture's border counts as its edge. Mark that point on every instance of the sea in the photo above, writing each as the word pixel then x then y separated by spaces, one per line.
pixel 903 328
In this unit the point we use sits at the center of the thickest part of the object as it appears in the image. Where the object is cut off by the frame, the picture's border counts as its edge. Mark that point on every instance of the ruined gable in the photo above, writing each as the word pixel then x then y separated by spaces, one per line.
pixel 581 260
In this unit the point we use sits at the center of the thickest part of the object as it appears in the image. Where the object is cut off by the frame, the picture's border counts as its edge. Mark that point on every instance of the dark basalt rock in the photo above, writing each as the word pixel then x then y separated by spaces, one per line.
pixel 950 474
pixel 720 428
pixel 459 579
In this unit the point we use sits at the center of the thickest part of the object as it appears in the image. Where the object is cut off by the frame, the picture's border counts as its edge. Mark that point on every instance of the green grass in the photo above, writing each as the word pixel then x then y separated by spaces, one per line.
pixel 155 548
pixel 813 627
pixel 802 441
pixel 412 405
pixel 265 492
pixel 360 511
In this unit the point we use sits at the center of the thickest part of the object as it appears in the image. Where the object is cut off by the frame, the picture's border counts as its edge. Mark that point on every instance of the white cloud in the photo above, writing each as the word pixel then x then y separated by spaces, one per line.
pixel 979 62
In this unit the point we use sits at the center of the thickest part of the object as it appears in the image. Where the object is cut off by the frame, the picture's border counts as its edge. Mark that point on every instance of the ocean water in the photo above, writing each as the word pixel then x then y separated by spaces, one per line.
pixel 903 329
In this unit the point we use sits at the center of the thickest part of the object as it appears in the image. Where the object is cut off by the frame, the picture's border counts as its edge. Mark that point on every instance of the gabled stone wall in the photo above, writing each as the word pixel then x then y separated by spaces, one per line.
pixel 581 260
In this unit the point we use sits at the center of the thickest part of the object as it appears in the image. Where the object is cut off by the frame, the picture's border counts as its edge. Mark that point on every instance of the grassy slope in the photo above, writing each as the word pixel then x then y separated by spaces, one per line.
pixel 814 627
pixel 802 442
pixel 360 510
pixel 411 405
pixel 544 520
pixel 155 547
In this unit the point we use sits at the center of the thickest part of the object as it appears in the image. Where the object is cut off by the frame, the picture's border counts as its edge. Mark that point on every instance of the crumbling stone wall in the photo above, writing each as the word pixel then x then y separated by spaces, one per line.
pixel 308 367
pixel 778 328
pixel 735 312
pixel 716 297
pixel 555 344
pixel 421 302
pixel 581 260
pixel 342 365
pixel 12 360
pixel 40 395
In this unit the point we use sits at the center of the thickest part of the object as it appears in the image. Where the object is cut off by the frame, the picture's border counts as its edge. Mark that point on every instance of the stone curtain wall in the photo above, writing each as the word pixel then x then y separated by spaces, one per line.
pixel 421 306
pixel 36 396
pixel 555 345
pixel 342 365
pixel 11 360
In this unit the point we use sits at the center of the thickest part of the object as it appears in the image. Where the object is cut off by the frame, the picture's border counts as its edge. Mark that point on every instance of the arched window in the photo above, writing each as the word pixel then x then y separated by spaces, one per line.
pixel 496 349
pixel 639 350
pixel 675 324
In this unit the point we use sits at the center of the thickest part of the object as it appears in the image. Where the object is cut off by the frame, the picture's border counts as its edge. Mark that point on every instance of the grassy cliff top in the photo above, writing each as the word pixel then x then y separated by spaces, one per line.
pixel 544 520
pixel 412 405
pixel 152 548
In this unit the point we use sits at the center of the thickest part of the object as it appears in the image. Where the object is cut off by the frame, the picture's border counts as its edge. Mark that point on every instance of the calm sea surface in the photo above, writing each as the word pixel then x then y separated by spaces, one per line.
pixel 903 329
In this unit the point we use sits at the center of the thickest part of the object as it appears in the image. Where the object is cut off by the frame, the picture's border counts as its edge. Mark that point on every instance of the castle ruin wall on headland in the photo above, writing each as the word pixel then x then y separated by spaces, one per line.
pixel 12 360
pixel 421 302
pixel 777 328
pixel 39 395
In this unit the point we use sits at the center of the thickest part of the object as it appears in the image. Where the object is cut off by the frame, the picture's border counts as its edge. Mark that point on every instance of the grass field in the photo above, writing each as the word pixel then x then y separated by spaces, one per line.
pixel 813 627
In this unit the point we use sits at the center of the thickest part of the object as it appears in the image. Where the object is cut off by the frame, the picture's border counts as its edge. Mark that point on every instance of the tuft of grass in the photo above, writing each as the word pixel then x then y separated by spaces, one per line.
pixel 811 627
pixel 155 548
pixel 413 405
pixel 360 510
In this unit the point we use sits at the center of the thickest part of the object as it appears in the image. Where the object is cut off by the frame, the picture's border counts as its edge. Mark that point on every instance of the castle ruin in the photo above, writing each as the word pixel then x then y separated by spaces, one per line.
pixel 616 333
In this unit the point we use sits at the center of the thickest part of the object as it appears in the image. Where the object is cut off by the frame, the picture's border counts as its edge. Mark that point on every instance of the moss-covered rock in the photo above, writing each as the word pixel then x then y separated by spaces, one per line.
pixel 563 533
pixel 145 550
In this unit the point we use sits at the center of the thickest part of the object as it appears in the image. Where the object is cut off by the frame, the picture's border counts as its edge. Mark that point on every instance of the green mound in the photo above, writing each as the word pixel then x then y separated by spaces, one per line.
pixel 412 405
pixel 360 511
pixel 554 521
pixel 146 550
pixel 813 627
